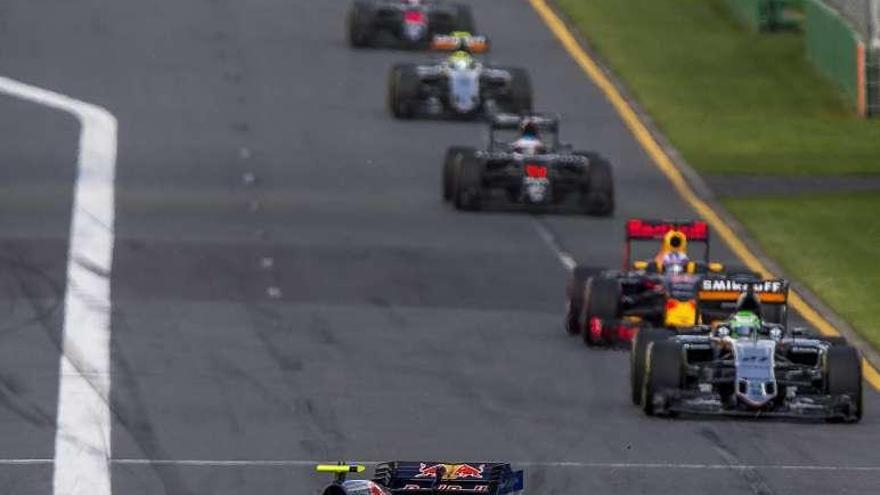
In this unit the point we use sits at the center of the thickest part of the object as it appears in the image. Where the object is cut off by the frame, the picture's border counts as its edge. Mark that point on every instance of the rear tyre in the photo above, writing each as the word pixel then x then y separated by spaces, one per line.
pixel 358 21
pixel 403 88
pixel 662 372
pixel 468 179
pixel 452 155
pixel 843 376
pixel 520 96
pixel 577 285
pixel 603 302
pixel 775 313
pixel 638 357
pixel 597 190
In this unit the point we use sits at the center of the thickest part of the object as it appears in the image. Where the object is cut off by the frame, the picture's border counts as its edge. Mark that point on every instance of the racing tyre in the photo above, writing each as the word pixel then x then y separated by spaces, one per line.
pixel 638 356
pixel 575 299
pixel 603 301
pixel 835 340
pixel 843 376
pixel 468 178
pixel 452 156
pixel 403 88
pixel 520 98
pixel 597 192
pixel 662 372
pixel 358 20
pixel 464 19
pixel 775 313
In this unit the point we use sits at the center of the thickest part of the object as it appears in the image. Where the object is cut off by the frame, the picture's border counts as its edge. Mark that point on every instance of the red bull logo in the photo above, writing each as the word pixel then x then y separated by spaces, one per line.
pixel 451 471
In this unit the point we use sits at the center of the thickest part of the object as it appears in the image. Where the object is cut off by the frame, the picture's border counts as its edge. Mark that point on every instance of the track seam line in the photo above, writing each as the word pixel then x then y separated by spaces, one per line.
pixel 663 162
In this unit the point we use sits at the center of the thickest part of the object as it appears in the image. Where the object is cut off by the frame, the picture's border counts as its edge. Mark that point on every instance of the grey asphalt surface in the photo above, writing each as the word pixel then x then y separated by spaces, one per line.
pixel 332 307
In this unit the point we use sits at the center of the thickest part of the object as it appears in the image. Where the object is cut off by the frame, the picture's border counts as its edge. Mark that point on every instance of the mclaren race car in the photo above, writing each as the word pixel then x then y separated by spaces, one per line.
pixel 526 164
pixel 747 366
pixel 398 477
pixel 405 23
pixel 460 85
pixel 608 307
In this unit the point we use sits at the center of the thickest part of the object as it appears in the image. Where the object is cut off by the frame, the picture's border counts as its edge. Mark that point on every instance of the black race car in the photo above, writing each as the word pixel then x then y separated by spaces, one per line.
pixel 460 85
pixel 608 306
pixel 428 477
pixel 763 370
pixel 405 23
pixel 525 163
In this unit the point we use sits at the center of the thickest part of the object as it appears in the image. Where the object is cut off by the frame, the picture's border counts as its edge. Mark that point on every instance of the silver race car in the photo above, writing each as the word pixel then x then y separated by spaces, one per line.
pixel 748 367
pixel 460 85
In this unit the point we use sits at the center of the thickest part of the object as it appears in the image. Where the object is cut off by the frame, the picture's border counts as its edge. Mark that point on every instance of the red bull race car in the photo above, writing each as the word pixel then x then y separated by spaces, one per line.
pixel 405 23
pixel 428 477
pixel 608 307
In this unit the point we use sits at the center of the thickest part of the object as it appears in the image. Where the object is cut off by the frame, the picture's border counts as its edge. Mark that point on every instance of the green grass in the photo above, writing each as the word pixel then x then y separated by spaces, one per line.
pixel 732 101
pixel 829 242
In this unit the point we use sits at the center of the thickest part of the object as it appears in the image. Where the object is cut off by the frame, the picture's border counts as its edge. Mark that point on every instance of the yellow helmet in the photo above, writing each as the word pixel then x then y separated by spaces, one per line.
pixel 675 242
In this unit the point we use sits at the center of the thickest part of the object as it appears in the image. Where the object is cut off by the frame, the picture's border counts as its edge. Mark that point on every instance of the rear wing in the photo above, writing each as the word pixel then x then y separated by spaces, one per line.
pixel 485 478
pixel 460 41
pixel 717 297
pixel 508 121
pixel 547 124
pixel 728 289
pixel 640 229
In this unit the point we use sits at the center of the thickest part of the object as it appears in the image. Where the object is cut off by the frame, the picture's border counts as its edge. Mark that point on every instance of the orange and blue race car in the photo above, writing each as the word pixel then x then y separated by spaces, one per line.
pixel 429 477
pixel 608 307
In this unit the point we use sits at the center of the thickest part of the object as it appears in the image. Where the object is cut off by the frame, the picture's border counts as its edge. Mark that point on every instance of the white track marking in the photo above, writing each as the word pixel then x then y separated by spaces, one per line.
pixel 560 464
pixel 544 233
pixel 233 463
pixel 82 437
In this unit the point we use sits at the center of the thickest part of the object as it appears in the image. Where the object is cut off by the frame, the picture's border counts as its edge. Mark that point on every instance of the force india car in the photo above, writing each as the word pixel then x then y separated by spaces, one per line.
pixel 405 23
pixel 390 478
pixel 458 86
pixel 608 307
pixel 471 177
pixel 772 372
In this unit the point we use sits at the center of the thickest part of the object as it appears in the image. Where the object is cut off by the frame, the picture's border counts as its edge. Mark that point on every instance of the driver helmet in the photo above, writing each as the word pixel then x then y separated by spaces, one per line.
pixel 460 60
pixel 529 142
pixel 744 324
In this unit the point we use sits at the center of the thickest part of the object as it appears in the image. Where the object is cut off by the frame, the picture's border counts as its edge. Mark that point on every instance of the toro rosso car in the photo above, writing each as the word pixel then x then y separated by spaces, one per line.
pixel 747 366
pixel 404 23
pixel 390 478
pixel 525 163
pixel 460 85
pixel 608 307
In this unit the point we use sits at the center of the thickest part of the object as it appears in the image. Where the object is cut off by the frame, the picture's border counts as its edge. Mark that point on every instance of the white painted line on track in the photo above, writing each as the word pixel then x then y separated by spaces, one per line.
pixel 233 463
pixel 559 464
pixel 550 239
pixel 82 436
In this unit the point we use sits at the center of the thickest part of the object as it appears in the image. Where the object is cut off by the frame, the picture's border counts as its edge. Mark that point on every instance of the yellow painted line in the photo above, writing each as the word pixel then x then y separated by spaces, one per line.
pixel 665 164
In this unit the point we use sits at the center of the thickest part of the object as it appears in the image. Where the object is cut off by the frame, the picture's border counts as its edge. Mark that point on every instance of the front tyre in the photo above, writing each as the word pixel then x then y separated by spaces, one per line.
pixel 843 376
pixel 403 87
pixel 358 24
pixel 597 188
pixel 453 155
pixel 663 372
pixel 637 358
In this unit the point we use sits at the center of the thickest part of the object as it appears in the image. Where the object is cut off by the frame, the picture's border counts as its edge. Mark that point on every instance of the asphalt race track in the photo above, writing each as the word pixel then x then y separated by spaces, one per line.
pixel 288 285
